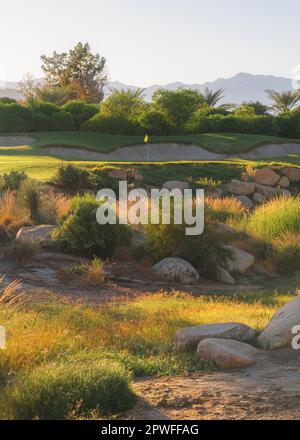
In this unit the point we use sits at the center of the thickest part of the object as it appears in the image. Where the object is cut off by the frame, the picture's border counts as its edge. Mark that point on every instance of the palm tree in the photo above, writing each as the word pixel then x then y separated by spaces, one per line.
pixel 284 101
pixel 211 98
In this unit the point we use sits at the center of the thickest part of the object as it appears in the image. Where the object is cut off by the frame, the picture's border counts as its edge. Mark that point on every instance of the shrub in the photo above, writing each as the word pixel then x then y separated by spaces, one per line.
pixel 12 181
pixel 41 122
pixel 112 125
pixel 72 178
pixel 155 122
pixel 62 121
pixel 81 111
pixel 81 234
pixel 15 118
pixel 46 108
pixel 20 252
pixel 289 124
pixel 8 207
pixel 56 392
pixel 277 217
pixel 30 199
pixel 205 252
pixel 225 208
pixel 286 254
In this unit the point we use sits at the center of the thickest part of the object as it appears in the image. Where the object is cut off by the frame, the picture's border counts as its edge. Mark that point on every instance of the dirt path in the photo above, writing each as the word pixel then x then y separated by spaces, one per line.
pixel 268 390
pixel 170 152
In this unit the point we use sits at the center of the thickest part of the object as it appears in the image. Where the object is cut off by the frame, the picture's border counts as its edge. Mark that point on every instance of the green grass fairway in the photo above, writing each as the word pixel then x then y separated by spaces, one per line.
pixel 219 142
pixel 36 163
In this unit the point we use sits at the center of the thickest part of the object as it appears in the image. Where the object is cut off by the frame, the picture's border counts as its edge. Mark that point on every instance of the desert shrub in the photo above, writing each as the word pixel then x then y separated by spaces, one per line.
pixel 205 252
pixel 285 253
pixel 155 122
pixel 62 121
pixel 30 199
pixel 12 180
pixel 206 183
pixel 112 125
pixel 275 218
pixel 20 252
pixel 56 392
pixel 8 207
pixel 15 118
pixel 71 178
pixel 81 111
pixel 95 273
pixel 81 234
pixel 225 208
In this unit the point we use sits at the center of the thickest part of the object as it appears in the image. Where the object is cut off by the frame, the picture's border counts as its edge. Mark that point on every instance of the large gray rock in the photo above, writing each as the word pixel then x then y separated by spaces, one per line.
pixel 36 234
pixel 292 173
pixel 192 336
pixel 259 199
pixel 226 354
pixel 278 333
pixel 175 184
pixel 241 262
pixel 266 177
pixel 245 201
pixel 175 270
pixel 267 191
pixel 239 188
pixel 224 276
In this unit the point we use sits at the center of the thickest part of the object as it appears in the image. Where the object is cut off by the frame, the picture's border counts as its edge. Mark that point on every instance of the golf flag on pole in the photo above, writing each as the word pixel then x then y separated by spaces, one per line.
pixel 146 139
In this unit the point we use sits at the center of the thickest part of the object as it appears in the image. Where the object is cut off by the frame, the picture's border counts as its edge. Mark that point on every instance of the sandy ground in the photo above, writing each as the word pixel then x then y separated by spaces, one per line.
pixel 15 141
pixel 270 389
pixel 171 152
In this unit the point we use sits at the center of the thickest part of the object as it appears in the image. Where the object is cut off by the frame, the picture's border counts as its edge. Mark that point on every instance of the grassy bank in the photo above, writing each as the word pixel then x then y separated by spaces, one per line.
pixel 134 337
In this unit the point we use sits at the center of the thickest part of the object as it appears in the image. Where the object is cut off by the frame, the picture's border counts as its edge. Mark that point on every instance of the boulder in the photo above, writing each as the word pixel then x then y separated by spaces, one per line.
pixel 175 270
pixel 36 234
pixel 192 336
pixel 224 276
pixel 118 174
pixel 292 173
pixel 278 333
pixel 175 184
pixel 267 191
pixel 239 188
pixel 284 182
pixel 246 202
pixel 226 354
pixel 240 262
pixel 266 177
pixel 259 199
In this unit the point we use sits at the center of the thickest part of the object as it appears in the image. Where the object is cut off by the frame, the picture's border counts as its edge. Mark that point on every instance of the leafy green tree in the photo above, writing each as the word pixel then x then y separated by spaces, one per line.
pixel 127 104
pixel 178 106
pixel 84 71
pixel 284 101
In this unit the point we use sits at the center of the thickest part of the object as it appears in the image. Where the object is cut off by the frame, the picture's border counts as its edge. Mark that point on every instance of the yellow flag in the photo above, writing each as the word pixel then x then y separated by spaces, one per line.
pixel 146 139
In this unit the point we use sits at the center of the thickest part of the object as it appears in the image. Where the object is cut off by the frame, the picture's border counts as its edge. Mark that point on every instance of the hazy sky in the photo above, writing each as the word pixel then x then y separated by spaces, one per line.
pixel 155 41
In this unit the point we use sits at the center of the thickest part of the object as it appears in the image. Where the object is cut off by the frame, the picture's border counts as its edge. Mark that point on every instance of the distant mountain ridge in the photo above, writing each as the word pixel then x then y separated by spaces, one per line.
pixel 239 88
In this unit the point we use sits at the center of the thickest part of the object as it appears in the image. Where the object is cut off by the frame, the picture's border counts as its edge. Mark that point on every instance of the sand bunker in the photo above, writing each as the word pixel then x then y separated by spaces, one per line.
pixel 170 152
pixel 15 141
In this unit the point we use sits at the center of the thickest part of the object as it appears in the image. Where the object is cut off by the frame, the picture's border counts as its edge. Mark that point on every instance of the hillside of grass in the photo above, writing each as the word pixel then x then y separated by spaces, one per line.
pixel 64 351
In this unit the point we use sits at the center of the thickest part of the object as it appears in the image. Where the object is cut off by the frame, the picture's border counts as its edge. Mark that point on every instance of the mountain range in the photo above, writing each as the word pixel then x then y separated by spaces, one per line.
pixel 239 88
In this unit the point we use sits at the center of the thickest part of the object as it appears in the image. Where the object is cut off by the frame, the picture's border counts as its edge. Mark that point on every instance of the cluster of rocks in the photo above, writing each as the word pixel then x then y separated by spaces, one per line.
pixel 125 174
pixel 263 185
pixel 180 271
pixel 235 345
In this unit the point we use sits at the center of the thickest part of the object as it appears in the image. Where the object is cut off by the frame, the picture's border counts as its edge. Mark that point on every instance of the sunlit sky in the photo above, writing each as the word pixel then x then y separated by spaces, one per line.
pixel 155 41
